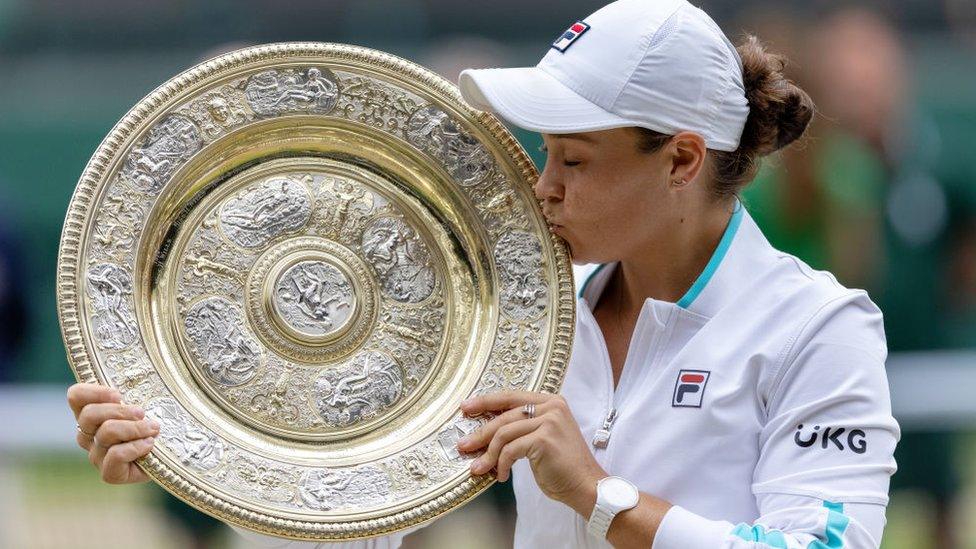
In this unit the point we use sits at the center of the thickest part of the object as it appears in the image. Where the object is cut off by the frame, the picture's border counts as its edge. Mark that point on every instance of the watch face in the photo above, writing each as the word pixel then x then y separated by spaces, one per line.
pixel 619 493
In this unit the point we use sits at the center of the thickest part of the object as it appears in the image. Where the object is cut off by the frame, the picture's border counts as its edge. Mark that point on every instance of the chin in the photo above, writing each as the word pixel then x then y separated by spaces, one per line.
pixel 587 256
pixel 579 254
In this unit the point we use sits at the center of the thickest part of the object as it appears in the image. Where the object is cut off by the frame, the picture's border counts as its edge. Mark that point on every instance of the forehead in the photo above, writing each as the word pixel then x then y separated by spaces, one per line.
pixel 584 137
pixel 599 137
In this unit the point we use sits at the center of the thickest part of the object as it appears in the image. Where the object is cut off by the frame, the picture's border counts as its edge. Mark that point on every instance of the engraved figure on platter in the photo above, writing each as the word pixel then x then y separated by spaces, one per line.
pixel 519 252
pixel 130 372
pixel 359 389
pixel 516 346
pixel 473 163
pixel 272 92
pixel 202 264
pixel 119 223
pixel 499 205
pixel 218 111
pixel 134 377
pixel 113 322
pixel 351 200
pixel 314 88
pixel 315 296
pixel 379 105
pixel 524 295
pixel 325 489
pixel 262 212
pixel 416 469
pixel 400 258
pixel 277 401
pixel 169 143
pixel 433 131
pixel 229 356
pixel 519 257
pixel 192 445
pixel 267 478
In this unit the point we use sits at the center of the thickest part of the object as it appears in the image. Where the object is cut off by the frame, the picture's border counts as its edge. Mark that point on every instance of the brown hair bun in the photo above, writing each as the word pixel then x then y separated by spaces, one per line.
pixel 779 110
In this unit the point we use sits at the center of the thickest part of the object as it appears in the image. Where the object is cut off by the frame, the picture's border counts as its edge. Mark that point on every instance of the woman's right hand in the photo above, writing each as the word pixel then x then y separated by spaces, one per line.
pixel 115 435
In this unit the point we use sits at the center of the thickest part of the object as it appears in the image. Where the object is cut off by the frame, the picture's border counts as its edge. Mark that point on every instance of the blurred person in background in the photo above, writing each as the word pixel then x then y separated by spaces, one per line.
pixel 864 200
pixel 888 214
pixel 959 173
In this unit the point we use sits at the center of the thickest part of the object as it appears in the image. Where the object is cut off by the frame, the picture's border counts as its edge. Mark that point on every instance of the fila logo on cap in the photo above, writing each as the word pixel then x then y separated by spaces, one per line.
pixel 689 388
pixel 571 35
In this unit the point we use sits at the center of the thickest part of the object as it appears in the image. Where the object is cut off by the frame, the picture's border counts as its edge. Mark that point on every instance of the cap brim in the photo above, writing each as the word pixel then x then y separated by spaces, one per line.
pixel 531 98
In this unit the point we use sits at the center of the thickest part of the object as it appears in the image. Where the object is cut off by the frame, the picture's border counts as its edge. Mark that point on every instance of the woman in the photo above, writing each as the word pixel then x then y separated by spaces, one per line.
pixel 737 397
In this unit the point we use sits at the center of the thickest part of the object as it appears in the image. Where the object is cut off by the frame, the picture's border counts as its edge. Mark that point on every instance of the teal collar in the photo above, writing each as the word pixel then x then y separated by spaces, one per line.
pixel 716 260
pixel 590 278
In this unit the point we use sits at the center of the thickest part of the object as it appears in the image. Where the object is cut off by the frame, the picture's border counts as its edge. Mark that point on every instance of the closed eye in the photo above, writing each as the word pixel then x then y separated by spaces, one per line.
pixel 570 163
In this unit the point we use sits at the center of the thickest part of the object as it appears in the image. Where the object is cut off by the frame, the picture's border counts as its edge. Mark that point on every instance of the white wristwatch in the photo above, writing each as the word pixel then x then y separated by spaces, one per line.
pixel 613 495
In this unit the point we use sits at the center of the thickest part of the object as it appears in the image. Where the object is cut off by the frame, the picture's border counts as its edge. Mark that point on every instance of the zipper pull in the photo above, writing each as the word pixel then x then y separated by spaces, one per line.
pixel 602 437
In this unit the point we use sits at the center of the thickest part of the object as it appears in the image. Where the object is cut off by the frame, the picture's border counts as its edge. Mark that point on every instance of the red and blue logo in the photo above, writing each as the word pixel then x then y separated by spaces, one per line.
pixel 571 35
pixel 689 388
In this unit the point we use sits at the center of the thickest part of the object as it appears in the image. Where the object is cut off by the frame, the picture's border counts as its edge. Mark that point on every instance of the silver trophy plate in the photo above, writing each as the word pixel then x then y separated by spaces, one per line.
pixel 299 259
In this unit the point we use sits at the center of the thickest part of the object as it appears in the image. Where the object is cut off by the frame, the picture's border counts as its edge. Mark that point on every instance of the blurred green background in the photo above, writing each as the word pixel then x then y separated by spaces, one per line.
pixel 882 193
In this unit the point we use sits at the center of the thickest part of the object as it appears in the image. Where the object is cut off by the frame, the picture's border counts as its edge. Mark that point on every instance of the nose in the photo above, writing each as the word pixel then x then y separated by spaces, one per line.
pixel 548 187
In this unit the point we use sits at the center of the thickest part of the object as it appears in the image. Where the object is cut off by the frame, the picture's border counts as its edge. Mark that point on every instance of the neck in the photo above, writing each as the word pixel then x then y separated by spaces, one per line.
pixel 665 268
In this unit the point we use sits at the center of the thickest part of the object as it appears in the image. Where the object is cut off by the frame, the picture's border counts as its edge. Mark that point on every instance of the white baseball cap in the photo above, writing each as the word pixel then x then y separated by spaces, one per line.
pixel 664 65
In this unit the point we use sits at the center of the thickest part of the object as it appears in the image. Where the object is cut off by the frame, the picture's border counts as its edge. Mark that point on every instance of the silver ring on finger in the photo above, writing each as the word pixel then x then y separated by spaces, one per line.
pixel 529 410
pixel 84 432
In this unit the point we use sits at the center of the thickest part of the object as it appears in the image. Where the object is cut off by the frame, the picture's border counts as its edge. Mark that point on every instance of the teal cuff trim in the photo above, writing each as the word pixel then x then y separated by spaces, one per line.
pixel 757 533
pixel 716 260
pixel 837 523
pixel 835 507
pixel 589 278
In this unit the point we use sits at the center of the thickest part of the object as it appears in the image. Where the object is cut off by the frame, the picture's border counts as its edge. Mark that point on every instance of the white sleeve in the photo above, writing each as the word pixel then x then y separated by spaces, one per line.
pixel 262 541
pixel 826 449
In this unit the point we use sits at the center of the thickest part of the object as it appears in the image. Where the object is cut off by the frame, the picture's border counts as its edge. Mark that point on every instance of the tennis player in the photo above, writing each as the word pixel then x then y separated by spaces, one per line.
pixel 720 393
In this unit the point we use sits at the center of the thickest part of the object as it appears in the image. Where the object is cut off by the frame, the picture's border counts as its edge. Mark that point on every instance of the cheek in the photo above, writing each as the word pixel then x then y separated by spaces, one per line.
pixel 619 217
pixel 605 210
pixel 598 223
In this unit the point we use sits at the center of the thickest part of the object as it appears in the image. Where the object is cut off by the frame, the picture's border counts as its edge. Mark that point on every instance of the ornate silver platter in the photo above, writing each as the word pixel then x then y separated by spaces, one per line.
pixel 299 259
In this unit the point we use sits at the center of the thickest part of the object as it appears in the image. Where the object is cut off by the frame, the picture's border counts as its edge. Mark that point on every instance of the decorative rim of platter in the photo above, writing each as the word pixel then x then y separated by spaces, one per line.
pixel 124 325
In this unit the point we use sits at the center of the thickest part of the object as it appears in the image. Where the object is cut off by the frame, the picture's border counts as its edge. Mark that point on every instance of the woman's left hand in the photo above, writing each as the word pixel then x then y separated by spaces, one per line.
pixel 561 461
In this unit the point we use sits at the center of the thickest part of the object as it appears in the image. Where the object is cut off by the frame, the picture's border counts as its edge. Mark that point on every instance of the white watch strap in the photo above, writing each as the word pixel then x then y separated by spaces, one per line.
pixel 599 522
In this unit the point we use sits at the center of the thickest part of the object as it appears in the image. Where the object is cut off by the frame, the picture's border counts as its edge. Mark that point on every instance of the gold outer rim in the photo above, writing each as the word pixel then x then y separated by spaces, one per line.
pixel 94 178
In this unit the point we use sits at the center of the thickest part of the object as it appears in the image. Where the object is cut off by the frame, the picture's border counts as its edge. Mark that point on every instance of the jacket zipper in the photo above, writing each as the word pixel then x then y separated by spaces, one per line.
pixel 602 436
pixel 601 439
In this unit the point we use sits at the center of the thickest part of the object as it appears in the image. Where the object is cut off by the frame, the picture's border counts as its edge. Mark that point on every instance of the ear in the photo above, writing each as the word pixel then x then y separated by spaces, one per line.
pixel 688 153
